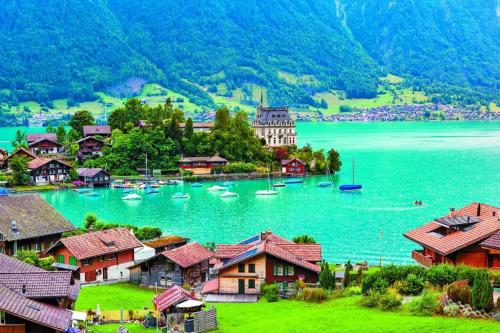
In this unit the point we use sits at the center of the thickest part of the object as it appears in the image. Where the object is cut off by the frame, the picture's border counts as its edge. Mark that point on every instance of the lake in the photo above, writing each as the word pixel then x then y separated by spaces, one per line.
pixel 444 164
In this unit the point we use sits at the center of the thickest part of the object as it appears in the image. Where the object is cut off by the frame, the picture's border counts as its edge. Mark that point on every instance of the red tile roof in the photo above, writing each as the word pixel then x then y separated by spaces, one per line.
pixel 492 242
pixel 489 224
pixel 286 162
pixel 12 265
pixel 171 297
pixel 99 243
pixel 308 252
pixel 188 255
pixel 230 250
pixel 33 311
pixel 211 286
pixel 199 125
pixel 35 137
pixel 96 130
pixel 38 162
pixel 39 284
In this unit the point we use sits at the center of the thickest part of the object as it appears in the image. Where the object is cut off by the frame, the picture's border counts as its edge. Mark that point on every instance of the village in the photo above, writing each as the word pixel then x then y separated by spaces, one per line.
pixel 48 266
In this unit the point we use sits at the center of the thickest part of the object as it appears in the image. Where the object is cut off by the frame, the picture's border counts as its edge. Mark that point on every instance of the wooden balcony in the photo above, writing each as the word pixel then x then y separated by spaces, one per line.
pixel 419 257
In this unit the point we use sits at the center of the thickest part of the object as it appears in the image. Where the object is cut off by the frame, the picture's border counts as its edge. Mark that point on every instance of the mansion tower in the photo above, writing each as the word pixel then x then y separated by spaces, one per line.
pixel 275 125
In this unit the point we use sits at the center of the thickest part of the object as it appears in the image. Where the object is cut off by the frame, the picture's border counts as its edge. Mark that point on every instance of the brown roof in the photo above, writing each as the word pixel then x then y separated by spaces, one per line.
pixel 33 217
pixel 36 137
pixel 489 224
pixel 211 286
pixel 88 138
pixel 202 159
pixel 165 241
pixel 90 172
pixel 12 265
pixel 96 130
pixel 492 242
pixel 171 296
pixel 36 285
pixel 21 150
pixel 44 139
pixel 99 243
pixel 285 162
pixel 33 311
pixel 188 255
pixel 38 162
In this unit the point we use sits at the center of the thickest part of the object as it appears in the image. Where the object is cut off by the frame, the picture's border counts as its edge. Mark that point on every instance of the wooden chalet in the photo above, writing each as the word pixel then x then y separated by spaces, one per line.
pixel 264 258
pixel 89 146
pixel 202 165
pixel 30 138
pixel 99 256
pixel 96 130
pixel 20 152
pixel 33 300
pixel 94 176
pixel 27 222
pixel 166 243
pixel 46 146
pixel 465 236
pixel 48 170
pixel 178 266
pixel 293 167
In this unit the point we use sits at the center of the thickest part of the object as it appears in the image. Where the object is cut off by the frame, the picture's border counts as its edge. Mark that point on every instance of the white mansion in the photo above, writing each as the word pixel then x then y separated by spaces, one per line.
pixel 275 126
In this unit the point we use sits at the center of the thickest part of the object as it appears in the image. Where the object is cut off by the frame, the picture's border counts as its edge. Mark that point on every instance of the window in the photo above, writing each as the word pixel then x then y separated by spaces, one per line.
pixel 87 262
pixel 101 258
pixel 2 317
pixel 60 258
pixel 291 270
pixel 278 270
pixel 251 284
pixel 241 268
pixel 73 261
pixel 251 268
pixel 37 247
pixel 112 256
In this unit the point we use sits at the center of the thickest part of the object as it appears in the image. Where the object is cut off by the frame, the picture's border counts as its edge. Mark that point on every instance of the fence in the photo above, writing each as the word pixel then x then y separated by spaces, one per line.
pixel 203 320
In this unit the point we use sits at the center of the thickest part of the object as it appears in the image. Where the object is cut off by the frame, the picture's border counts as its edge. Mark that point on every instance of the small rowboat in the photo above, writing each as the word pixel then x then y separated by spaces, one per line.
pixel 279 185
pixel 294 181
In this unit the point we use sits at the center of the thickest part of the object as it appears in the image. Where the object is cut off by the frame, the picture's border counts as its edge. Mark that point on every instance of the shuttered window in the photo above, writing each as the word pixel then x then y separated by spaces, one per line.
pixel 60 258
pixel 73 261
pixel 251 268
pixel 251 284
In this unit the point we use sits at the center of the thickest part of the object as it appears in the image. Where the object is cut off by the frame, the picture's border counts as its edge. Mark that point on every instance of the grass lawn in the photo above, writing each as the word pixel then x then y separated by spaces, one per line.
pixel 126 296
pixel 113 328
pixel 339 315
pixel 24 188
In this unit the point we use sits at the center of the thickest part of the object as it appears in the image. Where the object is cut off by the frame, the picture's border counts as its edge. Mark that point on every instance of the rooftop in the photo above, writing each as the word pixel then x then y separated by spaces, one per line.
pixel 492 242
pixel 267 115
pixel 96 130
pixel 12 265
pixel 166 241
pixel 188 255
pixel 36 137
pixel 202 159
pixel 35 285
pixel 89 172
pixel 38 162
pixel 171 296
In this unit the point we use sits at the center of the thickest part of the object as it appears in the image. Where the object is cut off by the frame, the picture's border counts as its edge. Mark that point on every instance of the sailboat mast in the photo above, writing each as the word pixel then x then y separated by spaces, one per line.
pixel 353 170
pixel 146 166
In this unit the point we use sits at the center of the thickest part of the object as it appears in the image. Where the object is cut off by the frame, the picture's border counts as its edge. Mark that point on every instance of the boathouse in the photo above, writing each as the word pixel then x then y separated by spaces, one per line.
pixel 293 167
pixel 94 176
pixel 202 165
pixel 465 236
pixel 187 264
pixel 264 258
pixel 99 256
pixel 48 170
pixel 27 222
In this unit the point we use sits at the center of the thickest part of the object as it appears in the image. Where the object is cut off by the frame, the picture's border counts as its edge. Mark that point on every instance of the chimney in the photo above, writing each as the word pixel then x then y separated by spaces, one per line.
pixel 24 289
pixel 451 211
pixel 13 225
pixel 478 209
pixel 265 235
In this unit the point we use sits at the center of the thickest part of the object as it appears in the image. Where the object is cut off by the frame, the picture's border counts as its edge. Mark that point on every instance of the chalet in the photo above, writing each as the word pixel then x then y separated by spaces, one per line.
pixel 202 165
pixel 264 258
pixel 46 146
pixel 166 243
pixel 200 126
pixel 27 222
pixel 187 264
pixel 293 167
pixel 30 138
pixel 100 255
pixel 275 126
pixel 20 152
pixel 89 146
pixel 48 170
pixel 97 130
pixel 464 236
pixel 94 176
pixel 33 300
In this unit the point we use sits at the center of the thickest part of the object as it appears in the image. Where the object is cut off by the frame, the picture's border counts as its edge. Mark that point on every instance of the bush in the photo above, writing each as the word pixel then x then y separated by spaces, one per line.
pixel 239 167
pixel 495 277
pixel 451 310
pixel 460 291
pixel 312 295
pixel 390 300
pixel 426 305
pixel 371 299
pixel 352 291
pixel 482 292
pixel 270 292
pixel 374 283
pixel 441 275
pixel 466 273
pixel 414 285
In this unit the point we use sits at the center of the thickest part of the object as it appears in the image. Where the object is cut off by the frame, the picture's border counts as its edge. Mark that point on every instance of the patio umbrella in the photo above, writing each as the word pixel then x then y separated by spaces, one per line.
pixel 191 303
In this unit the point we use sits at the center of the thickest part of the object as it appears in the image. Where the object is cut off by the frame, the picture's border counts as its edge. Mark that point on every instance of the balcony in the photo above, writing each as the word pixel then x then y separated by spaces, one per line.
pixel 422 259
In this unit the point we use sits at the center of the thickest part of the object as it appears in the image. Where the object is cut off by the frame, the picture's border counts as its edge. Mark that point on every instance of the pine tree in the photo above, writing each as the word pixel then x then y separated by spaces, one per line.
pixel 482 291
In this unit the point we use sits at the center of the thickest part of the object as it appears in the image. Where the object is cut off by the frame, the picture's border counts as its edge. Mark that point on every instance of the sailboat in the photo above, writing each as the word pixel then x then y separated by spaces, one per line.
pixel 268 191
pixel 132 196
pixel 196 185
pixel 216 188
pixel 181 195
pixel 228 194
pixel 353 186
pixel 329 181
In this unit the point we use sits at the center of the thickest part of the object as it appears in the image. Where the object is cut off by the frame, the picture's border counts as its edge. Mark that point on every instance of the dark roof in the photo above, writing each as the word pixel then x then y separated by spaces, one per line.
pixel 492 242
pixel 38 162
pixel 44 139
pixel 90 172
pixel 33 311
pixel 40 284
pixel 286 162
pixel 35 137
pixel 98 243
pixel 166 241
pixel 188 255
pixel 96 130
pixel 12 265
pixel 88 138
pixel 202 159
pixel 21 150
pixel 266 115
pixel 33 217
pixel 459 220
pixel 428 235
pixel 171 297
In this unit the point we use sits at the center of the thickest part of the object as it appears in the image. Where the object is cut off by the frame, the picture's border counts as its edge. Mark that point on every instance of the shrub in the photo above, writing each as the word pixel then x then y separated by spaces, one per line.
pixel 374 283
pixel 371 299
pixel 482 292
pixel 426 305
pixel 270 292
pixel 239 167
pixel 304 239
pixel 390 300
pixel 460 292
pixel 466 273
pixel 312 295
pixel 414 285
pixel 352 291
pixel 451 310
pixel 495 277
pixel 441 275
pixel 326 277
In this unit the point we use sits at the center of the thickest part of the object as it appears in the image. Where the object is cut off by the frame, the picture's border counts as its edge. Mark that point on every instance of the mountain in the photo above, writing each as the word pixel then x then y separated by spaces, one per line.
pixel 291 48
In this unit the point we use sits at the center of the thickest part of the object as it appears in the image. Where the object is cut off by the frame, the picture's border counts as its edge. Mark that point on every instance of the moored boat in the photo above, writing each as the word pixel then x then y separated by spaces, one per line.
pixel 228 194
pixel 294 181
pixel 196 185
pixel 216 188
pixel 180 195
pixel 132 196
pixel 353 186
pixel 268 191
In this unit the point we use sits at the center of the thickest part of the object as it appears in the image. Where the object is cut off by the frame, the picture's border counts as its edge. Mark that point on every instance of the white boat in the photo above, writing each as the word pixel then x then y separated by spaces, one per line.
pixel 216 188
pixel 132 196
pixel 181 195
pixel 268 191
pixel 228 194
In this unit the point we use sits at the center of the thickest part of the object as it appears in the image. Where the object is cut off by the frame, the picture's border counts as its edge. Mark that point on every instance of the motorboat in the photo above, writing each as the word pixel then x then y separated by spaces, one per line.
pixel 279 184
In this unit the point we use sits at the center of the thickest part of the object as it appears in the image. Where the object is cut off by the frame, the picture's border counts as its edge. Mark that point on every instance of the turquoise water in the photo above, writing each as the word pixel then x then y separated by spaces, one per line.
pixel 443 164
pixel 7 134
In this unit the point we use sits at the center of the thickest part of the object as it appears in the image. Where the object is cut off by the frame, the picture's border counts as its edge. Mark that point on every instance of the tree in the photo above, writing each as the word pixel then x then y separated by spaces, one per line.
pixel 326 277
pixel 32 258
pixel 90 221
pixel 334 162
pixel 61 133
pixel 482 291
pixel 174 128
pixel 347 276
pixel 304 239
pixel 188 129
pixel 222 119
pixel 81 118
pixel 20 140
pixel 19 166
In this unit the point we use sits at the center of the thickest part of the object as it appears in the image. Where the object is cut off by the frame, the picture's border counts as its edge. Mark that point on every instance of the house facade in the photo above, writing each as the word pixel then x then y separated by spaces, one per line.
pixel 464 236
pixel 187 264
pixel 99 256
pixel 30 138
pixel 265 258
pixel 46 146
pixel 48 170
pixel 94 176
pixel 89 146
pixel 202 165
pixel 27 222
pixel 275 126
pixel 293 167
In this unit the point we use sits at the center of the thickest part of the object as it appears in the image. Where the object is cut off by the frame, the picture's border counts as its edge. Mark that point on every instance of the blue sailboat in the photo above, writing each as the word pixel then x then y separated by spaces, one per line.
pixel 353 186
pixel 196 185
pixel 329 181
pixel 294 181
